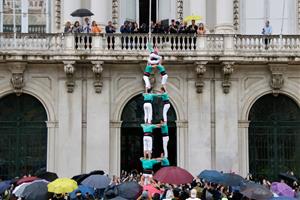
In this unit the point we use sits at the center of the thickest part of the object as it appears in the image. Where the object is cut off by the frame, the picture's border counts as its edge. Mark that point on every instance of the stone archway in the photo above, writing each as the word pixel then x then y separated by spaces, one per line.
pixel 274 136
pixel 24 135
pixel 131 133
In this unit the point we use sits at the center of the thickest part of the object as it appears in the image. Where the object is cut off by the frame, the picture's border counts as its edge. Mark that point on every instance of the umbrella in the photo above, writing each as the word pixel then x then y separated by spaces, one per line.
pixel 18 191
pixel 255 191
pixel 111 192
pixel 82 12
pixel 96 181
pixel 83 190
pixel 283 198
pixel 26 179
pixel 288 177
pixel 151 190
pixel 231 179
pixel 282 189
pixel 36 190
pixel 100 172
pixel 173 175
pixel 129 190
pixel 213 176
pixel 62 185
pixel 4 185
pixel 49 176
pixel 80 177
pixel 118 198
pixel 192 17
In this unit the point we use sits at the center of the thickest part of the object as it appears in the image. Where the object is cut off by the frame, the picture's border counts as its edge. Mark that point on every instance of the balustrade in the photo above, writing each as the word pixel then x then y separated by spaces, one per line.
pixel 211 44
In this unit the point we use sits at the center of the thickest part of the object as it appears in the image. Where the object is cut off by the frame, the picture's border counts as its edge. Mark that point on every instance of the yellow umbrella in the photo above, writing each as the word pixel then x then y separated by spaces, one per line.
pixel 192 17
pixel 62 186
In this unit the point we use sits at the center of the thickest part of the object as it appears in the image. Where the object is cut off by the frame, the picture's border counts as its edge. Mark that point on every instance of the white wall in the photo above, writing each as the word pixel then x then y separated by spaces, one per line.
pixel 254 13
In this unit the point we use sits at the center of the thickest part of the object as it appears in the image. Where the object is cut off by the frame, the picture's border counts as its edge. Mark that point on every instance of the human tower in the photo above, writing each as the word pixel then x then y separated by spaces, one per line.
pixel 154 62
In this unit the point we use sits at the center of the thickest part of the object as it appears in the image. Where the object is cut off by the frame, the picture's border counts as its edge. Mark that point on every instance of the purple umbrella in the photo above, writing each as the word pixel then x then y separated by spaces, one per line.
pixel 282 189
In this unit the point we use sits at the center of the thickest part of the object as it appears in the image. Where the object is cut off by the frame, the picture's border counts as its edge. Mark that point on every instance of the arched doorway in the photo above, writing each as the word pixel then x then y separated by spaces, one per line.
pixel 274 136
pixel 23 133
pixel 132 133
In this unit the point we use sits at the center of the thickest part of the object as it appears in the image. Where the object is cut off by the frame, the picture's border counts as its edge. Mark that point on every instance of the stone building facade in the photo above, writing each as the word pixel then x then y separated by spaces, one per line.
pixel 215 81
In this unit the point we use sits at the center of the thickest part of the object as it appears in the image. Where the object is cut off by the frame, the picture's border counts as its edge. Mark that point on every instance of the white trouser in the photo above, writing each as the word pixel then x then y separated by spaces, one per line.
pixel 165 112
pixel 147 81
pixel 147 143
pixel 147 179
pixel 164 79
pixel 148 112
pixel 165 145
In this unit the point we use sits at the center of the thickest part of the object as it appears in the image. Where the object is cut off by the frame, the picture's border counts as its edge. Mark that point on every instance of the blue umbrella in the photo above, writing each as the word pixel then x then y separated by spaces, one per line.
pixel 96 181
pixel 231 179
pixel 4 185
pixel 211 176
pixel 83 189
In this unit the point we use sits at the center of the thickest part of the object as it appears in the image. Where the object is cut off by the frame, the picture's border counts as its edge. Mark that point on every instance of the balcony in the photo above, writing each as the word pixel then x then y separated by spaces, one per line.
pixel 187 48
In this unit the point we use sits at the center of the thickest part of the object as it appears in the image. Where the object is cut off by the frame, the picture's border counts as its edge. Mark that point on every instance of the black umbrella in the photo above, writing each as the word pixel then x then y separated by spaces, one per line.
pixel 79 178
pixel 36 190
pixel 256 191
pixel 100 172
pixel 288 177
pixel 48 176
pixel 130 190
pixel 82 12
pixel 231 179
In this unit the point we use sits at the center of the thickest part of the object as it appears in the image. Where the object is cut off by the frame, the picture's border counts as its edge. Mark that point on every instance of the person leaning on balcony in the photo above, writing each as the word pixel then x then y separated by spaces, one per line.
pixel 87 26
pixel 193 27
pixel 183 27
pixel 267 30
pixel 95 28
pixel 201 29
pixel 110 28
pixel 68 27
pixel 173 28
pixel 76 28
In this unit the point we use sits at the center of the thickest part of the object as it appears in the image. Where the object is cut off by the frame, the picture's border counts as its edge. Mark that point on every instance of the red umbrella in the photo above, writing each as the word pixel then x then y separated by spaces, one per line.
pixel 151 190
pixel 26 179
pixel 173 175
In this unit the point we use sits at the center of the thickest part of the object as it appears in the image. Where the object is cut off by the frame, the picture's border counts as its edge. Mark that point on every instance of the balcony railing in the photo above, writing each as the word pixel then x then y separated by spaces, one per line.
pixel 210 44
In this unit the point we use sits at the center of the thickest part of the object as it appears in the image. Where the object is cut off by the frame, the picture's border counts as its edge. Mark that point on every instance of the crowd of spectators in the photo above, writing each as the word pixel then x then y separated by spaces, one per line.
pixel 132 27
pixel 174 28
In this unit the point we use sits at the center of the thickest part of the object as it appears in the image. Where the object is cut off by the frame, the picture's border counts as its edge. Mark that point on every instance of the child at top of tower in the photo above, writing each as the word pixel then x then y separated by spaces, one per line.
pixel 154 58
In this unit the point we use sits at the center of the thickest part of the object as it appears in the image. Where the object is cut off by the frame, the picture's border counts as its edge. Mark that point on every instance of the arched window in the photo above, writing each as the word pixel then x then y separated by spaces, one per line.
pixel 274 136
pixel 23 133
pixel 132 133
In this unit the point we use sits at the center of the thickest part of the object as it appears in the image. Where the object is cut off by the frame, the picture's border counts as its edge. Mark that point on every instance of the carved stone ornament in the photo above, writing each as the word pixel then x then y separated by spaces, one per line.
pixel 227 71
pixel 97 70
pixel 69 70
pixel 180 10
pixel 277 78
pixel 200 70
pixel 17 77
pixel 236 14
pixel 115 12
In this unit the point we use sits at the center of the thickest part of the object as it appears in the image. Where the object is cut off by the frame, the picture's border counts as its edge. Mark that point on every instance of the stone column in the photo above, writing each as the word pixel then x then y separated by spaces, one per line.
pixel 51 144
pixel 115 148
pixel 102 12
pixel 182 144
pixel 243 147
pixel 1 16
pixel 198 7
pixel 224 16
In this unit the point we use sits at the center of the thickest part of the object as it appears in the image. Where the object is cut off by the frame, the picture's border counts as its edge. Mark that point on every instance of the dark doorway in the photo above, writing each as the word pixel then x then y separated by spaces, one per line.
pixel 132 133
pixel 23 132
pixel 274 136
pixel 144 11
